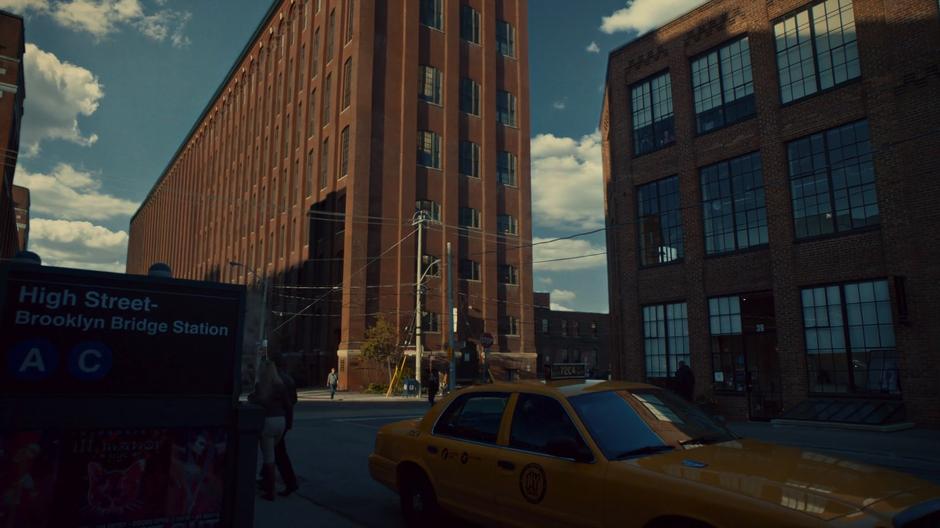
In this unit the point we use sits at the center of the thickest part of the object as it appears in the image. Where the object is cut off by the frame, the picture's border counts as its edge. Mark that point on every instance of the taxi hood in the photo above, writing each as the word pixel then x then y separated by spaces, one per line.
pixel 816 484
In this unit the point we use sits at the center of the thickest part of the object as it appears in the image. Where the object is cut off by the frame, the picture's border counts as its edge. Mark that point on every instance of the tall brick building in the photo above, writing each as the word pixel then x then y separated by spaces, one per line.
pixel 338 120
pixel 12 94
pixel 771 192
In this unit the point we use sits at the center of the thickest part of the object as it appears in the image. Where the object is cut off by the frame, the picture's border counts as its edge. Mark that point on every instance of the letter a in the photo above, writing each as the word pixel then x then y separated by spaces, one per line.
pixel 33 360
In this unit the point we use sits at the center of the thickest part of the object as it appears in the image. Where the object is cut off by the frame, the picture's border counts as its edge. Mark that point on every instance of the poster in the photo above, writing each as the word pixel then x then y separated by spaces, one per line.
pixel 28 468
pixel 197 477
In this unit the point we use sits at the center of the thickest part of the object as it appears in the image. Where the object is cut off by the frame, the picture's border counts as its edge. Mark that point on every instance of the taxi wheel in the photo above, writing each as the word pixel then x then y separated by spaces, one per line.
pixel 418 501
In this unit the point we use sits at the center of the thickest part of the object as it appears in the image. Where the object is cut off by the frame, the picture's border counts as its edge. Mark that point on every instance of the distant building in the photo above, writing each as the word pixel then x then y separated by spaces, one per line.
pixel 338 120
pixel 771 196
pixel 571 337
pixel 21 213
pixel 12 93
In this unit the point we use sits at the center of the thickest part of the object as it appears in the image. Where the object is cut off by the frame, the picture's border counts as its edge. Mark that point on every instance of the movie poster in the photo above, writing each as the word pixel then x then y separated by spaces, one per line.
pixel 197 477
pixel 114 478
pixel 28 467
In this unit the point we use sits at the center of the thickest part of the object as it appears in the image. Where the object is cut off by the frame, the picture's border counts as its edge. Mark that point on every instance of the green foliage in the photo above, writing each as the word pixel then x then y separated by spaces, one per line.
pixel 376 388
pixel 381 343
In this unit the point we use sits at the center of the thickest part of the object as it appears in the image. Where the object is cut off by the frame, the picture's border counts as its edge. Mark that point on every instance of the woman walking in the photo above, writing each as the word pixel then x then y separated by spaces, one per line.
pixel 272 394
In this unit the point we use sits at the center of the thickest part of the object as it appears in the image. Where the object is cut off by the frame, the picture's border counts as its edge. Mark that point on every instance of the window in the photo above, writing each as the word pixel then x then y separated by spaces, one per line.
pixel 430 323
pixel 545 326
pixel 469 270
pixel 507 225
pixel 594 329
pixel 850 341
pixel 469 159
pixel 475 417
pixel 508 274
pixel 431 208
pixel 832 181
pixel 564 327
pixel 330 36
pixel 469 96
pixel 309 178
pixel 506 168
pixel 325 112
pixel 723 87
pixel 733 206
pixel 350 9
pixel 286 136
pixel 469 217
pixel 315 58
pixel 432 14
pixel 347 83
pixel 312 114
pixel 816 49
pixel 344 153
pixel 324 163
pixel 429 84
pixel 306 13
pixel 505 108
pixel 429 149
pixel 665 338
pixel 469 24
pixel 659 222
pixel 653 121
pixel 433 266
pixel 510 326
pixel 505 38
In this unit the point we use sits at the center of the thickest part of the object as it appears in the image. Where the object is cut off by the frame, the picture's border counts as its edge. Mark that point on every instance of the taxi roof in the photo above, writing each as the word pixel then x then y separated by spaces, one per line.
pixel 564 388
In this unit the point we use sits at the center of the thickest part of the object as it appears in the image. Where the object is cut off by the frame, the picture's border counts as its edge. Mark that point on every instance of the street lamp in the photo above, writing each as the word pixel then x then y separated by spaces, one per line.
pixel 263 341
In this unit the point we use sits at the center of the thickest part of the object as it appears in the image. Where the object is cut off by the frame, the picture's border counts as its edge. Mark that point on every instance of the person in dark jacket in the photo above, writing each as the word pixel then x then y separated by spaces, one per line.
pixel 686 381
pixel 281 458
pixel 271 394
pixel 433 384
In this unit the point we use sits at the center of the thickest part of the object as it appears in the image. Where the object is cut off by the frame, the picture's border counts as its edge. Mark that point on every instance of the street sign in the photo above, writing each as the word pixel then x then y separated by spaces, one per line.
pixel 486 340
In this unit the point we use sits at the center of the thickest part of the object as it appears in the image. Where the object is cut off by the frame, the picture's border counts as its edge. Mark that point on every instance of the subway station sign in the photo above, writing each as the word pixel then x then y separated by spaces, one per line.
pixel 65 331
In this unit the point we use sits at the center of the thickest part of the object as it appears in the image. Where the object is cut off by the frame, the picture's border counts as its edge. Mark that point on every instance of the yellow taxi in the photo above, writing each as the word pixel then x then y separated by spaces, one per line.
pixel 590 453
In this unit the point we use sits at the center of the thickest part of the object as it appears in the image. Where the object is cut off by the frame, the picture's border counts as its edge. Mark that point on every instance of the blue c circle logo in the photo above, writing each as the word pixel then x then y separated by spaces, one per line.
pixel 90 361
pixel 32 360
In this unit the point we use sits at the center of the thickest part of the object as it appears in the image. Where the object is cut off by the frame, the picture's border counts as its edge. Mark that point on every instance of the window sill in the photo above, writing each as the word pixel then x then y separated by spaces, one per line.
pixel 430 103
pixel 429 167
pixel 660 149
pixel 660 264
pixel 508 185
pixel 820 92
pixel 838 234
pixel 726 126
pixel 752 249
pixel 477 178
pixel 470 114
pixel 432 28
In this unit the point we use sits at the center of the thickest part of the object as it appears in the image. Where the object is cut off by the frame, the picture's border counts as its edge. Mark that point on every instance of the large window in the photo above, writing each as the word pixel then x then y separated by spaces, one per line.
pixel 431 323
pixel 470 217
pixel 723 87
pixel 469 270
pixel 505 38
pixel 665 339
pixel 327 94
pixel 330 36
pixel 509 326
pixel 659 222
pixel 832 181
pixel 850 341
pixel 507 225
pixel 429 149
pixel 432 14
pixel 324 163
pixel 347 83
pixel 309 176
pixel 474 417
pixel 653 120
pixel 469 159
pixel 816 49
pixel 505 108
pixel 431 208
pixel 469 24
pixel 508 274
pixel 350 8
pixel 429 84
pixel 344 153
pixel 733 206
pixel 469 96
pixel 506 168
pixel 728 359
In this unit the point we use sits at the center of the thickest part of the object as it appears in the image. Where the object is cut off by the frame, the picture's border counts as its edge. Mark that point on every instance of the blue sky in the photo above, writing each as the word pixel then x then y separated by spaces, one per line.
pixel 113 86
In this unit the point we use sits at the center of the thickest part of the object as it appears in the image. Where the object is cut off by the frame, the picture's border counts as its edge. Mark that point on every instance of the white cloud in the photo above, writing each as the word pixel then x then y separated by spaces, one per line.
pixel 58 93
pixel 644 15
pixel 71 194
pixel 99 17
pixel 77 244
pixel 548 281
pixel 593 48
pixel 567 182
pixel 22 7
pixel 563 295
pixel 560 308
pixel 565 249
pixel 559 105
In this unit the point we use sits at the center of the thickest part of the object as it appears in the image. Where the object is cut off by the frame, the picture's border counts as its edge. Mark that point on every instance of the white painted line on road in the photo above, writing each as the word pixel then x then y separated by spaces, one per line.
pixel 372 418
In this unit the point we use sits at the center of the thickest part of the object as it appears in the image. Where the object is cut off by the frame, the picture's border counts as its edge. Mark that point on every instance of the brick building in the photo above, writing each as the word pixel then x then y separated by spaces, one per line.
pixel 338 120
pixel 12 94
pixel 21 215
pixel 771 203
pixel 571 337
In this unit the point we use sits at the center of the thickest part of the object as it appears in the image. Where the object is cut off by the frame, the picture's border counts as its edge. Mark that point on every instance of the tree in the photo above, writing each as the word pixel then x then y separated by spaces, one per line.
pixel 381 344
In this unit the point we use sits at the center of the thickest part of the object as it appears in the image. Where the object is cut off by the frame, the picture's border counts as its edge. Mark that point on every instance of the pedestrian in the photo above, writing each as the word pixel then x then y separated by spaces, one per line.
pixel 332 380
pixel 433 384
pixel 281 458
pixel 271 393
pixel 444 385
pixel 686 381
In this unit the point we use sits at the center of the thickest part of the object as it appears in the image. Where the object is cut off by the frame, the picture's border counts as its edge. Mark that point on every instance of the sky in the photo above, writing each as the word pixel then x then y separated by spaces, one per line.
pixel 114 86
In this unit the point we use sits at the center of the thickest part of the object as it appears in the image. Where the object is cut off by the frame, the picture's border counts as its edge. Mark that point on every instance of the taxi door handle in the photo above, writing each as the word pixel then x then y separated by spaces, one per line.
pixel 505 464
pixel 432 450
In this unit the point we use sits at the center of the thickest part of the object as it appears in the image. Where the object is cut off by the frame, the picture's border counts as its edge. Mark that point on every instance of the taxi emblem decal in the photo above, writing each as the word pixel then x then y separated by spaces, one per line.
pixel 465 457
pixel 532 483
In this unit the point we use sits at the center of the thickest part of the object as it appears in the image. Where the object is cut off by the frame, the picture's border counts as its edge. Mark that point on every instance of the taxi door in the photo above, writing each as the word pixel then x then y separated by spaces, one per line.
pixel 548 474
pixel 462 451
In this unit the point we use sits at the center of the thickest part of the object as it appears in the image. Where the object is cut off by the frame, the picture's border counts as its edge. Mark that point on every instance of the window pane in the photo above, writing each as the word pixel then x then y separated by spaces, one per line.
pixel 540 424
pixel 652 114
pixel 474 417
pixel 722 86
pixel 795 57
pixel 660 222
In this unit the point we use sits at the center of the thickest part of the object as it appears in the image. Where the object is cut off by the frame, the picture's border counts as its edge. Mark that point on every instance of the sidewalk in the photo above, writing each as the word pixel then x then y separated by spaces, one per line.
pixel 912 450
pixel 297 510
pixel 307 395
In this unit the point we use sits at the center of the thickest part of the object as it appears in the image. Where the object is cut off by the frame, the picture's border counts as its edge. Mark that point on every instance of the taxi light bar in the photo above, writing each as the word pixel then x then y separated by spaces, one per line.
pixel 562 371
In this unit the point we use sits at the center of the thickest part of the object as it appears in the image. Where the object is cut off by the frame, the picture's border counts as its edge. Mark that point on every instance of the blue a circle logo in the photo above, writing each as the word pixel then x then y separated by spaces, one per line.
pixel 32 360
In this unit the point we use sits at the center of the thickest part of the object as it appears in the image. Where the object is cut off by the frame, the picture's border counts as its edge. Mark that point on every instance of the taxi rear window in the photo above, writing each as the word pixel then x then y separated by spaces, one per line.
pixel 475 417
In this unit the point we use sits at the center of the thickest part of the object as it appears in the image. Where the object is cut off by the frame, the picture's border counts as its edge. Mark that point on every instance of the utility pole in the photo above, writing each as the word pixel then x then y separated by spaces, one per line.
pixel 452 376
pixel 419 345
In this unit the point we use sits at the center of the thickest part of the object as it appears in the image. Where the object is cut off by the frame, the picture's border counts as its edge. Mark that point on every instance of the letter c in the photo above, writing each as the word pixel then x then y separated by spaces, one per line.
pixel 90 361
pixel 85 367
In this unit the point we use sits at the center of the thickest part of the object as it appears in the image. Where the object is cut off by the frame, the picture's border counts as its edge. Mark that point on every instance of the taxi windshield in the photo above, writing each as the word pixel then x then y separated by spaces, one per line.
pixel 645 421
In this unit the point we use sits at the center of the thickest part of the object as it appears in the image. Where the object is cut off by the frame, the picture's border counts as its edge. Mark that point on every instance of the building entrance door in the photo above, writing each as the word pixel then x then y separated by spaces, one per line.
pixel 764 395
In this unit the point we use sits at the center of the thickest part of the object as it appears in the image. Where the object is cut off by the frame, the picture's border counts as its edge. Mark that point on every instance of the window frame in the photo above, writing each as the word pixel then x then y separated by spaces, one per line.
pixel 512 168
pixel 508 275
pixel 474 151
pixel 433 211
pixel 511 225
pixel 435 153
pixel 717 50
pixel 437 82
pixel 657 182
pixel 670 374
pixel 734 210
pixel 344 153
pixel 431 323
pixel 649 80
pixel 512 112
pixel 476 24
pixel 474 215
pixel 511 39
pixel 476 273
pixel 475 91
pixel 461 400
pixel 438 14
